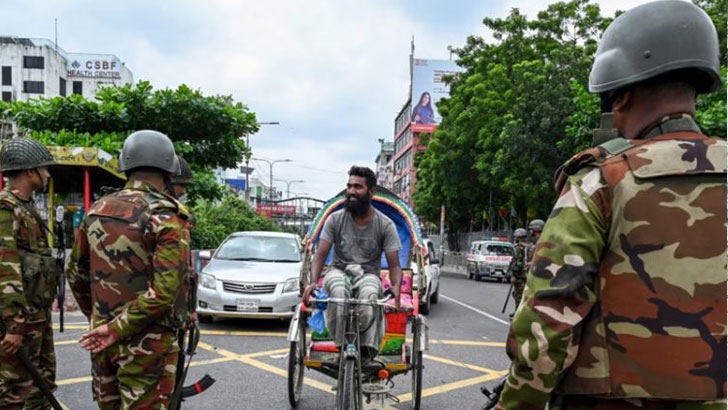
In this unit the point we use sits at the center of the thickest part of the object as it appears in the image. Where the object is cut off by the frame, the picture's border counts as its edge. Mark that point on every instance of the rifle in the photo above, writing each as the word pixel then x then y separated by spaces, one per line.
pixel 22 356
pixel 508 296
pixel 493 396
pixel 60 262
pixel 181 391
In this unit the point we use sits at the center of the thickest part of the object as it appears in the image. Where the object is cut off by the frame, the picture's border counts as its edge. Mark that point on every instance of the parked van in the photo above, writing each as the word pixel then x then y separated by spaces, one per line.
pixel 489 259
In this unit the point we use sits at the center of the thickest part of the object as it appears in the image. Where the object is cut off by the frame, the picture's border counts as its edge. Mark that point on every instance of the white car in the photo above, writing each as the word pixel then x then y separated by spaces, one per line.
pixel 432 267
pixel 489 259
pixel 251 275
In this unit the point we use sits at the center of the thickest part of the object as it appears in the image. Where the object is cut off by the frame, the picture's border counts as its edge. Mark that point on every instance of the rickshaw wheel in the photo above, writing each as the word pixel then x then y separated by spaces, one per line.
pixel 416 372
pixel 296 355
pixel 349 400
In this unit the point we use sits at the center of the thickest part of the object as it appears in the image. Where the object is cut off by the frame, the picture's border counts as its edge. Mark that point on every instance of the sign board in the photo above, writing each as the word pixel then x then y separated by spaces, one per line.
pixel 276 209
pixel 94 66
pixel 428 87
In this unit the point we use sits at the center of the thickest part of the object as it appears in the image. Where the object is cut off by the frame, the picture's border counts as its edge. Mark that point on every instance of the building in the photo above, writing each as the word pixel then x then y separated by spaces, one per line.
pixel 384 163
pixel 33 67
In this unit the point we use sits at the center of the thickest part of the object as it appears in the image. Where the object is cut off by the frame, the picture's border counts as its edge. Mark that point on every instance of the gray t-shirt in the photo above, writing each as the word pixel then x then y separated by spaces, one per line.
pixel 360 245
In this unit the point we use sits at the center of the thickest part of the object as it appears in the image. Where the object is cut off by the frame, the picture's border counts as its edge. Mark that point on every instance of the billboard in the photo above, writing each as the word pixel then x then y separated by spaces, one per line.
pixel 428 87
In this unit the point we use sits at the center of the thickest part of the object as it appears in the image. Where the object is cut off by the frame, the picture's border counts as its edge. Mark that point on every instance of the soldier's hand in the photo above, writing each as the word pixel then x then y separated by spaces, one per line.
pixel 98 339
pixel 513 280
pixel 11 343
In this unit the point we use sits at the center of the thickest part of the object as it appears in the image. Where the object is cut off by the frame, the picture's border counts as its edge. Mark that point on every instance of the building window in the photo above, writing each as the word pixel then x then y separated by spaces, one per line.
pixel 33 87
pixel 62 86
pixel 7 75
pixel 77 87
pixel 7 96
pixel 33 62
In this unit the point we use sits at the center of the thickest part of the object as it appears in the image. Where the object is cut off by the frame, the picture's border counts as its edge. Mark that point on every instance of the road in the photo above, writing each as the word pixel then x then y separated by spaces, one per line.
pixel 249 358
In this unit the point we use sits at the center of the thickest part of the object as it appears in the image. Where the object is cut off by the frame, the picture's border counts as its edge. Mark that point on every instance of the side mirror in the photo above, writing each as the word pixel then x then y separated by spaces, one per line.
pixel 205 255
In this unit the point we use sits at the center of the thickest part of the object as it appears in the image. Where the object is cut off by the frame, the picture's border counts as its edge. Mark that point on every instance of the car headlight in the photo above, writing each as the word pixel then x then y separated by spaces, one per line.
pixel 207 281
pixel 290 286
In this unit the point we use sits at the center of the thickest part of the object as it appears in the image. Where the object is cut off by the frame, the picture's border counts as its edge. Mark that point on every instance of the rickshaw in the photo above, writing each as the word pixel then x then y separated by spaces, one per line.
pixel 371 381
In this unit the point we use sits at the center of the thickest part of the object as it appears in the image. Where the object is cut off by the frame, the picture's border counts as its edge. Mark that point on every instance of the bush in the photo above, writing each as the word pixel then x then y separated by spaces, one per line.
pixel 216 221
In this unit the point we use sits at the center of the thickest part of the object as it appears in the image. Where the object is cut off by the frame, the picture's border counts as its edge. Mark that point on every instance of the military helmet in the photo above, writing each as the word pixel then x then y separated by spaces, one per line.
pixel 148 148
pixel 536 225
pixel 184 176
pixel 23 153
pixel 656 38
pixel 520 233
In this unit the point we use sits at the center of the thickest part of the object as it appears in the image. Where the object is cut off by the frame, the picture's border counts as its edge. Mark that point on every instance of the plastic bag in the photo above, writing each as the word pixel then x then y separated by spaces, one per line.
pixel 317 322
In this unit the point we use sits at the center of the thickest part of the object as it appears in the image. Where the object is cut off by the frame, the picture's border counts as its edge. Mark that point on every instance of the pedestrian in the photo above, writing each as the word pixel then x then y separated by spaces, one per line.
pixel 625 305
pixel 517 267
pixel 127 274
pixel 535 227
pixel 28 276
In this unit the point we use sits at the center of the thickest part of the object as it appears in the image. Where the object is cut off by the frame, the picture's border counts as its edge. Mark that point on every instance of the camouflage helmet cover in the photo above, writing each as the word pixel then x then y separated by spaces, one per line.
pixel 520 233
pixel 147 148
pixel 656 38
pixel 23 153
pixel 536 225
pixel 184 176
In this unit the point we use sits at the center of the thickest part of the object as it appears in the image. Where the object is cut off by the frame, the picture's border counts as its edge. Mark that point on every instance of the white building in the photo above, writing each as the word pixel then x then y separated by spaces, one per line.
pixel 32 68
pixel 385 163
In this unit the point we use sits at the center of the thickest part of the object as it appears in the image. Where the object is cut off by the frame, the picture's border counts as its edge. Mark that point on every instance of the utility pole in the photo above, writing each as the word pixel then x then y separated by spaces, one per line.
pixel 270 165
pixel 247 159
pixel 288 185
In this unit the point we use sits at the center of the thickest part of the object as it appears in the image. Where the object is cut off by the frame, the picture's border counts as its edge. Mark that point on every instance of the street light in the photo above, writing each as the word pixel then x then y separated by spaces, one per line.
pixel 288 185
pixel 270 165
pixel 247 159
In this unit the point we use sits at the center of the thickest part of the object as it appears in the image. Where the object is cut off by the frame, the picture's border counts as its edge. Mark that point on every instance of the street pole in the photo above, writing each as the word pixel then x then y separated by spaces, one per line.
pixel 270 165
pixel 247 159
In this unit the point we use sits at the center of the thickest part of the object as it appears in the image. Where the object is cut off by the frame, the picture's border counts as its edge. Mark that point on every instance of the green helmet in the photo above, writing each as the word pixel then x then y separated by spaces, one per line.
pixel 184 177
pixel 23 153
pixel 656 38
pixel 148 148
pixel 519 233
pixel 536 225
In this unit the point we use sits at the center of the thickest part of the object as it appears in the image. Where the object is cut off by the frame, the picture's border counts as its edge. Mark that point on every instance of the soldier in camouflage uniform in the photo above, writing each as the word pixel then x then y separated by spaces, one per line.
pixel 517 267
pixel 535 228
pixel 127 274
pixel 28 276
pixel 625 305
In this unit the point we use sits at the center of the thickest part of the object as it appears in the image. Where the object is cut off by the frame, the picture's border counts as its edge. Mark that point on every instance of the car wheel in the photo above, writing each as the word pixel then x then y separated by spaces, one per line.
pixel 205 319
pixel 435 297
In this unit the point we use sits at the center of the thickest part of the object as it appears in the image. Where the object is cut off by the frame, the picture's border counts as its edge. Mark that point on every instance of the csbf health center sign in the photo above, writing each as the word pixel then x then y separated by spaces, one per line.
pixel 428 87
pixel 94 66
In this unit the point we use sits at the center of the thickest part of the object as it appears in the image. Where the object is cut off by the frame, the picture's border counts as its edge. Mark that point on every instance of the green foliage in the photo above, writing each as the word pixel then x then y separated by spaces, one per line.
pixel 110 142
pixel 711 111
pixel 214 222
pixel 204 185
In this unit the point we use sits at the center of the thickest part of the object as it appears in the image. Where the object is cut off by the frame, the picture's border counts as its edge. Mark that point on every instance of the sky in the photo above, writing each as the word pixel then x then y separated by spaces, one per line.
pixel 333 73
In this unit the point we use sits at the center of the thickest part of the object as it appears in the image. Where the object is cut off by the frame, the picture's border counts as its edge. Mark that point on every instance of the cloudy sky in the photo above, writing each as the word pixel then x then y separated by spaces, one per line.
pixel 333 73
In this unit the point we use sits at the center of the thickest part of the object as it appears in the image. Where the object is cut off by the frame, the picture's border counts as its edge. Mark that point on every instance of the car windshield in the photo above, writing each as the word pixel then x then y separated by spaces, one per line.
pixel 260 248
pixel 499 250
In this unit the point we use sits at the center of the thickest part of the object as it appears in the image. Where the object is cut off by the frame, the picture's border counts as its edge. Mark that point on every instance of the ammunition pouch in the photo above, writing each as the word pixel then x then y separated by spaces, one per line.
pixel 40 278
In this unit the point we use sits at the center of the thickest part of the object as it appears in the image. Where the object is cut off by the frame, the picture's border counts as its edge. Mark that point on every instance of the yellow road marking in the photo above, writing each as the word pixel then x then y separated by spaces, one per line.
pixel 65 342
pixel 248 359
pixel 193 364
pixel 451 386
pixel 70 326
pixel 461 364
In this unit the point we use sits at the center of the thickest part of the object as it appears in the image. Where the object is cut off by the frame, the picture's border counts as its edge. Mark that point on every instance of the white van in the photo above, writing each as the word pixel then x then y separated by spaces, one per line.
pixel 489 259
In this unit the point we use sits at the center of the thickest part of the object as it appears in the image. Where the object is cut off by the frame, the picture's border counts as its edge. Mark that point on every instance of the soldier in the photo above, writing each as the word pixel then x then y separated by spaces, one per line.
pixel 127 273
pixel 625 305
pixel 28 276
pixel 534 229
pixel 517 268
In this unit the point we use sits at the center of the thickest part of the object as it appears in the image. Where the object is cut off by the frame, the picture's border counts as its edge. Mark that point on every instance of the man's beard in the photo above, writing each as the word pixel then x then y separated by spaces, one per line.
pixel 359 206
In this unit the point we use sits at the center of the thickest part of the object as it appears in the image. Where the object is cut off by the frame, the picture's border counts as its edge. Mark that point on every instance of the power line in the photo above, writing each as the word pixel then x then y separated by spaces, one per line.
pixel 318 169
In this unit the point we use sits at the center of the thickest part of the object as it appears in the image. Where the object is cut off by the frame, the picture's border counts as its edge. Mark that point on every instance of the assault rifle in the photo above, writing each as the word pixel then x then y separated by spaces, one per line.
pixel 493 396
pixel 188 349
pixel 22 356
pixel 60 262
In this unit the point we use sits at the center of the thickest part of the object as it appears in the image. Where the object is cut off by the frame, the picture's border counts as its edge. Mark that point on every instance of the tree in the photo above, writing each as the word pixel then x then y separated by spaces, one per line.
pixel 214 222
pixel 206 130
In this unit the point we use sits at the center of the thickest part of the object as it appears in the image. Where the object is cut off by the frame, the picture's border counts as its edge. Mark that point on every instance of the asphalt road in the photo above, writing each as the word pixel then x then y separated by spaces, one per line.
pixel 248 358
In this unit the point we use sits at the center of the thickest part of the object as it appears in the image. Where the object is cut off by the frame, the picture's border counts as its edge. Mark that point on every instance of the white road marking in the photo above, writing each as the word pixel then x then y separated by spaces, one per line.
pixel 476 310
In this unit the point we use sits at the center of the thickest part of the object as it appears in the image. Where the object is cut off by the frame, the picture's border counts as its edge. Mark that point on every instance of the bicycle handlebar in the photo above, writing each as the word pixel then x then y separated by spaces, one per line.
pixel 351 301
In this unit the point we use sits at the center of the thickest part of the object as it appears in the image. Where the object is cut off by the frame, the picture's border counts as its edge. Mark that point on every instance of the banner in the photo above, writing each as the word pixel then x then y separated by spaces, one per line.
pixel 274 209
pixel 428 87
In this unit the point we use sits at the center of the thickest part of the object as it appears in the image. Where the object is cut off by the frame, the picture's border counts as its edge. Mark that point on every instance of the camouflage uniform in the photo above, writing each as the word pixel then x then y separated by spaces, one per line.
pixel 127 269
pixel 28 280
pixel 625 306
pixel 517 270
